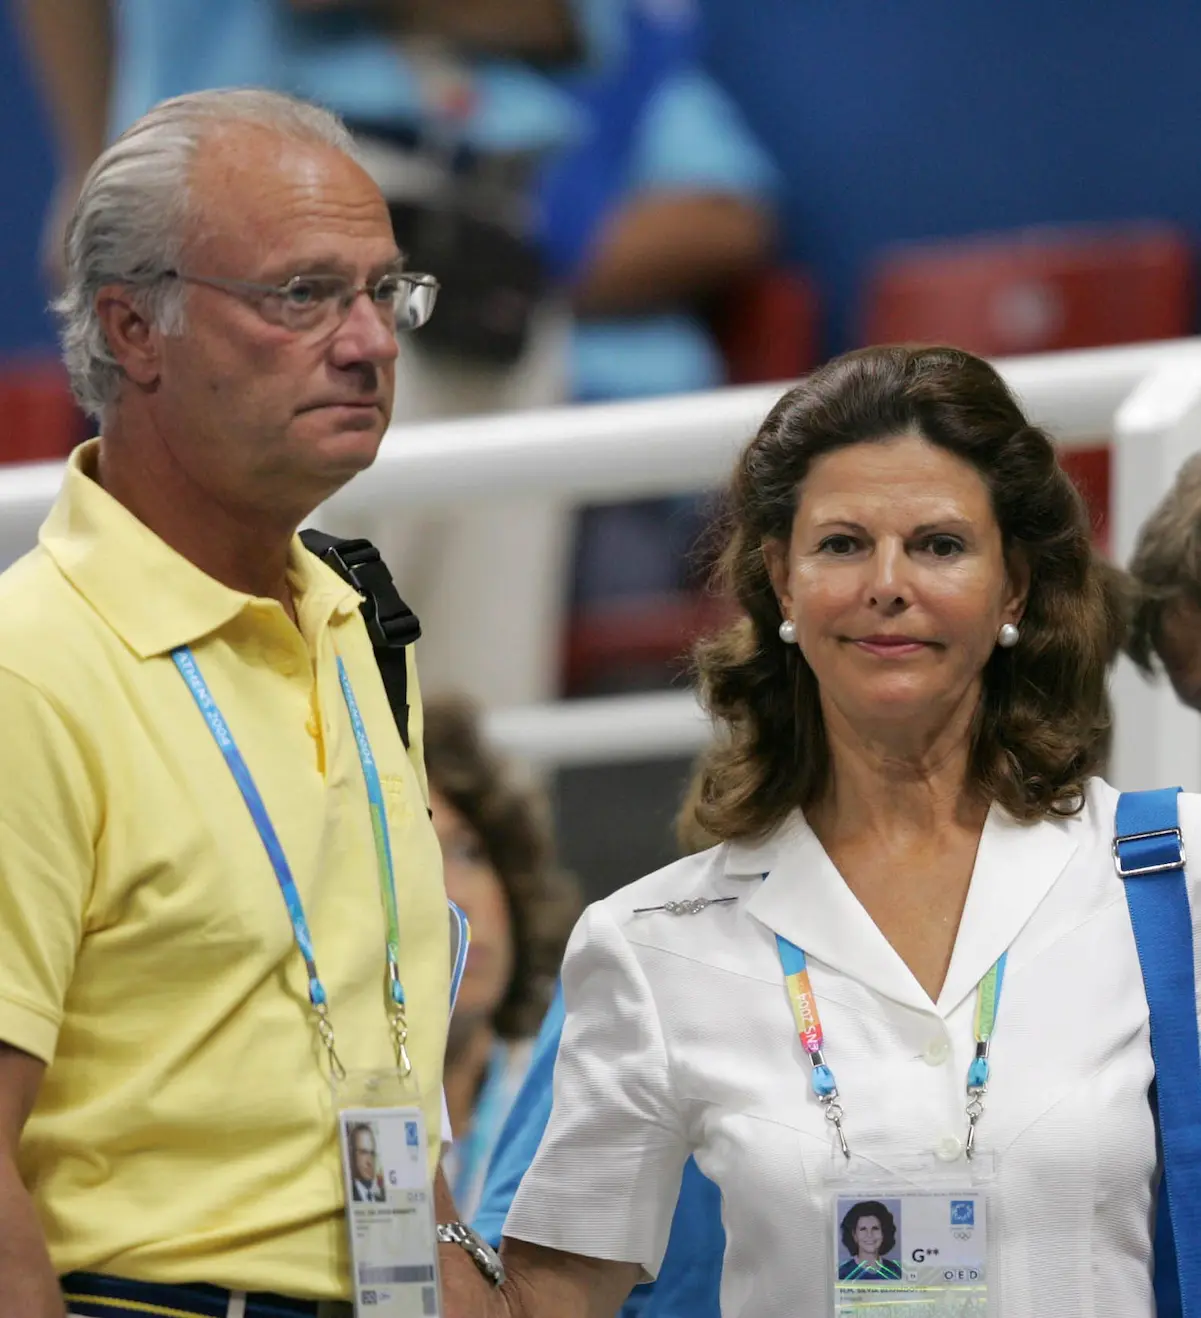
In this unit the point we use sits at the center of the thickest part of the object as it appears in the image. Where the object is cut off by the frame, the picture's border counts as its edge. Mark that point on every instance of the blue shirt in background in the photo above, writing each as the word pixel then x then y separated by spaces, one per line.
pixel 689 1282
pixel 689 136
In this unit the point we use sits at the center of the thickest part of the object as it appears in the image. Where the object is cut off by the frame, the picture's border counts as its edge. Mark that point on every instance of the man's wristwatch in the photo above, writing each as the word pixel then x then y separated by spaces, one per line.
pixel 482 1254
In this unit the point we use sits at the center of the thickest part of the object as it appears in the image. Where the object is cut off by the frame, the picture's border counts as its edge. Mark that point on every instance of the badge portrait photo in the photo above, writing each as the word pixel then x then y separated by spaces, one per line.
pixel 869 1244
pixel 365 1170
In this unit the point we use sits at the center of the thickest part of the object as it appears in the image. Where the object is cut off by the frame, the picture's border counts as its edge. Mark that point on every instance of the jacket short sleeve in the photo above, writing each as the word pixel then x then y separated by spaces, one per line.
pixel 606 1177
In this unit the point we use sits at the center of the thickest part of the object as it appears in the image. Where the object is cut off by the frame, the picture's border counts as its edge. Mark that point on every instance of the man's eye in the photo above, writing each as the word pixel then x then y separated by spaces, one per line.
pixel 305 292
pixel 386 289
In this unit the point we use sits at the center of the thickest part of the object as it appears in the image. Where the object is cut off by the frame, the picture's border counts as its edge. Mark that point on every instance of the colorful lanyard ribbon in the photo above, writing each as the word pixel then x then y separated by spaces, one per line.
pixel 186 663
pixel 809 1028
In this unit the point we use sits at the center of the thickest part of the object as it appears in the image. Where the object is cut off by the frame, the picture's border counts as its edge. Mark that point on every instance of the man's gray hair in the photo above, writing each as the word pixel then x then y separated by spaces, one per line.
pixel 129 224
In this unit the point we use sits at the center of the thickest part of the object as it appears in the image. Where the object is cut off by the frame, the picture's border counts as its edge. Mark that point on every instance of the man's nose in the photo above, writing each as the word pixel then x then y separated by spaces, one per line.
pixel 365 336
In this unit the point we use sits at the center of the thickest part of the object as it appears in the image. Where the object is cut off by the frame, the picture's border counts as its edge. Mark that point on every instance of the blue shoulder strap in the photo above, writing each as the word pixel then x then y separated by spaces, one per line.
pixel 1148 849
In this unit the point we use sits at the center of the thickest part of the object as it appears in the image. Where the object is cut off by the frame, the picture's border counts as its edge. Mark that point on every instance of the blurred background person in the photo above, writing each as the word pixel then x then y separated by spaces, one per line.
pixel 1165 572
pixel 577 182
pixel 498 857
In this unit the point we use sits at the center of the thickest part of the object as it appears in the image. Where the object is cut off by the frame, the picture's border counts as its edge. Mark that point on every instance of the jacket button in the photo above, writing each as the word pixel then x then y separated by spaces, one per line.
pixel 937 1052
pixel 949 1148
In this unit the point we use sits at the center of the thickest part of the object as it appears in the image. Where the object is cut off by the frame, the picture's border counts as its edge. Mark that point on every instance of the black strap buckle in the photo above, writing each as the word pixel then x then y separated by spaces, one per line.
pixel 391 624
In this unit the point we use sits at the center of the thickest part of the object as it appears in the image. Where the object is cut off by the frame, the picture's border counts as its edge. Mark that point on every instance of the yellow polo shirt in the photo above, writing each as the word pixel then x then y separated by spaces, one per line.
pixel 185 1127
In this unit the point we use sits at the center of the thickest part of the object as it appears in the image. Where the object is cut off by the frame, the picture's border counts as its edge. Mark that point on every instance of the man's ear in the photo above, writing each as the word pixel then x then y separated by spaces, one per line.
pixel 132 338
pixel 775 557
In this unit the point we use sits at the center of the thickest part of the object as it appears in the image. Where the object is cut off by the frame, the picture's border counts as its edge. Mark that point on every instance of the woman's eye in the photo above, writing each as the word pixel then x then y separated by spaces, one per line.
pixel 944 546
pixel 838 545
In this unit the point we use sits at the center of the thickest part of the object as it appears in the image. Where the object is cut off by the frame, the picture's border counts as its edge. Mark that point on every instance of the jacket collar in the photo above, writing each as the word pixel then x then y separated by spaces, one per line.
pixel 151 596
pixel 805 899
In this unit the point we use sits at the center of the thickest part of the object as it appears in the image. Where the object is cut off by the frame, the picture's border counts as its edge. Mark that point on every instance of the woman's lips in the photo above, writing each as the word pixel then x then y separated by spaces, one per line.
pixel 891 647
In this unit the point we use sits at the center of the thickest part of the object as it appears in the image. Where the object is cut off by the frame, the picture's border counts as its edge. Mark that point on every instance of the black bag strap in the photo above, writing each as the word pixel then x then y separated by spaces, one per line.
pixel 391 624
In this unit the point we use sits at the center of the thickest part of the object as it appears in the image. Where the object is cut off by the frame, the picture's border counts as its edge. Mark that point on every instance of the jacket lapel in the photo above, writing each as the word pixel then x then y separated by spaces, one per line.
pixel 1016 866
pixel 805 899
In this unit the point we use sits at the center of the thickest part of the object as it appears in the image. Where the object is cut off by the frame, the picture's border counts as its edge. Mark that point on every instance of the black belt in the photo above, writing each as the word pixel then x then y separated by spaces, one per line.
pixel 91 1295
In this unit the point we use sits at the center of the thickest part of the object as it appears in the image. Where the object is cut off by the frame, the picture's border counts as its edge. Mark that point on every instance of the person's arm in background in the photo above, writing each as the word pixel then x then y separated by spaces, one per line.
pixel 698 210
pixel 664 249
pixel 27 1279
pixel 521 29
pixel 71 45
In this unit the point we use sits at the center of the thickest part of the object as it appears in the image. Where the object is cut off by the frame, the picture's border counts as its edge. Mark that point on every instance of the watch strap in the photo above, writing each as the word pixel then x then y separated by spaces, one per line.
pixel 481 1253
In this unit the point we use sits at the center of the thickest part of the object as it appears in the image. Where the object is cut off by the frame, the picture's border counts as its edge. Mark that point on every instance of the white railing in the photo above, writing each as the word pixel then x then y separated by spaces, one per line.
pixel 1147 398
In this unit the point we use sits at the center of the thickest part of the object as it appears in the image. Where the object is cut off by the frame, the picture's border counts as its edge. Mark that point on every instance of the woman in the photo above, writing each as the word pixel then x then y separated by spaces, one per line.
pixel 869 1234
pixel 912 714
pixel 497 854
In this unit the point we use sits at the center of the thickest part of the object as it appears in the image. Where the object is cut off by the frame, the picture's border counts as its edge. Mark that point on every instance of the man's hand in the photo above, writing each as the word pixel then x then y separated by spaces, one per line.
pixel 466 1292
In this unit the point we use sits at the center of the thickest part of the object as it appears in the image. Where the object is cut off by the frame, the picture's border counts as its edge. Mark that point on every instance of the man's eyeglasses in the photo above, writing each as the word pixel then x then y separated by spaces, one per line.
pixel 320 303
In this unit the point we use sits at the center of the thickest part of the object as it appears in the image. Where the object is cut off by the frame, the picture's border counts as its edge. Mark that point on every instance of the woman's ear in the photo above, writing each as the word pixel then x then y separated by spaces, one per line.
pixel 1017 572
pixel 775 557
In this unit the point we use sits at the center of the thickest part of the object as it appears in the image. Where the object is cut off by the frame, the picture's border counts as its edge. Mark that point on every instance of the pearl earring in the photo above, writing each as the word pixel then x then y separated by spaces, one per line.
pixel 1007 637
pixel 788 631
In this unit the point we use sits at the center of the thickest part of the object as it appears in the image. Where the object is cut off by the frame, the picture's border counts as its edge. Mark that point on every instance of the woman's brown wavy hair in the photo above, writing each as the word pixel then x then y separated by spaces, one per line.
pixel 1043 720
pixel 512 820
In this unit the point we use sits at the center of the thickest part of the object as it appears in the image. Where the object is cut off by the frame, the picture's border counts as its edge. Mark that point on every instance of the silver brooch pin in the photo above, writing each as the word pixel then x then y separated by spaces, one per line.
pixel 691 906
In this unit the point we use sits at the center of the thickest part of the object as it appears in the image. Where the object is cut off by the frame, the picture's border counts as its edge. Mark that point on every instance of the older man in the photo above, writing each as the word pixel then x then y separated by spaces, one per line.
pixel 218 879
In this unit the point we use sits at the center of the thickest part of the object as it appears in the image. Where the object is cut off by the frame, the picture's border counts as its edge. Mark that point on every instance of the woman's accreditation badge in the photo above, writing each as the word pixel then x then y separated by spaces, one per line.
pixel 917 1253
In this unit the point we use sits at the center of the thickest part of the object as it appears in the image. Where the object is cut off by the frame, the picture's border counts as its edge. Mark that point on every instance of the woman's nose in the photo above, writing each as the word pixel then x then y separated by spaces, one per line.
pixel 887 579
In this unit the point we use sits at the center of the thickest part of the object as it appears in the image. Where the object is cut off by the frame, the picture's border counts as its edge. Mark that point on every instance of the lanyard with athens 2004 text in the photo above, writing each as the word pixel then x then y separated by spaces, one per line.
pixel 186 663
pixel 809 1027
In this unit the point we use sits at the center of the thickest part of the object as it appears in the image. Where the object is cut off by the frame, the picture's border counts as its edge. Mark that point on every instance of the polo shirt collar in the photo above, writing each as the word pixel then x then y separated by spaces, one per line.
pixel 150 595
pixel 805 899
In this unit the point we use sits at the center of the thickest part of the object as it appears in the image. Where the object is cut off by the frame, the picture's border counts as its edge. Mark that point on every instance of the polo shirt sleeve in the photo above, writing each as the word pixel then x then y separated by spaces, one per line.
pixel 48 813
pixel 692 137
pixel 606 1177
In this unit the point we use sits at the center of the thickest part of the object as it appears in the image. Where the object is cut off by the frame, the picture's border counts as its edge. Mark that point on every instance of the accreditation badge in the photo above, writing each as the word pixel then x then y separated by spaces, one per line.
pixel 916 1245
pixel 389 1198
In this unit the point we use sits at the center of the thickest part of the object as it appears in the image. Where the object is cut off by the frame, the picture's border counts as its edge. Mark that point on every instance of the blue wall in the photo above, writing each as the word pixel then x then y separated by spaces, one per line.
pixel 900 119
pixel 26 178
pixel 892 119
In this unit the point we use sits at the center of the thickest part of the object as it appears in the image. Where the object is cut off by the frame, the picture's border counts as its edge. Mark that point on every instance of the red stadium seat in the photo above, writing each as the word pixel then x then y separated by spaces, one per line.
pixel 770 330
pixel 767 330
pixel 39 420
pixel 1037 290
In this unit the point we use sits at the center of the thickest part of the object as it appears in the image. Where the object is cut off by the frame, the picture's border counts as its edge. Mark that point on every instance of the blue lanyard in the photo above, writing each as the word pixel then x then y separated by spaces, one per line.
pixel 809 1028
pixel 186 663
